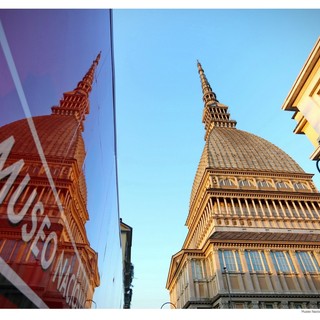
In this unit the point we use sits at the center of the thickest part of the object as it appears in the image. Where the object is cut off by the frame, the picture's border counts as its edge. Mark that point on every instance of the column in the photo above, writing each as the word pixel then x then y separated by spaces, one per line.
pixel 317 256
pixel 218 272
pixel 234 209
pixel 240 208
pixel 192 294
pixel 262 209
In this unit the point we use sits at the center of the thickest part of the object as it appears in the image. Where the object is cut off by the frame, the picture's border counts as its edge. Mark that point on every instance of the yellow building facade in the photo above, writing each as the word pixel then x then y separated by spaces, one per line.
pixel 253 224
pixel 304 100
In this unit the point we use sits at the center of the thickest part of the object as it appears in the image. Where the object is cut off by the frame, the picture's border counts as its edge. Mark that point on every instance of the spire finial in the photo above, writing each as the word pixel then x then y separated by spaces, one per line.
pixel 85 84
pixel 76 102
pixel 215 114
pixel 208 95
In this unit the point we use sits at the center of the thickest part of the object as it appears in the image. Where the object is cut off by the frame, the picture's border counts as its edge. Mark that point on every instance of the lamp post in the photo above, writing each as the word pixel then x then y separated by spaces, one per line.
pixel 90 300
pixel 168 303
pixel 228 286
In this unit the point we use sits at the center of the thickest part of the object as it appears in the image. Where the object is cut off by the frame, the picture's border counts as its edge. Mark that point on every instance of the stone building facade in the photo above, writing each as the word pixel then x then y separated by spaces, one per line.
pixel 253 224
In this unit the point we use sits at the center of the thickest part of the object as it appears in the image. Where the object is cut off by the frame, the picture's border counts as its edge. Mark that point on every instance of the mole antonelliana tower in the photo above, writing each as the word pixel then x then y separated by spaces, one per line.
pixel 45 256
pixel 253 236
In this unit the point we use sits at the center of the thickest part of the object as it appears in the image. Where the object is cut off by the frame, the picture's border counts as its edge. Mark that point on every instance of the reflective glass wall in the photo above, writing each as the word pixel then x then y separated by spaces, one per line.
pixel 59 221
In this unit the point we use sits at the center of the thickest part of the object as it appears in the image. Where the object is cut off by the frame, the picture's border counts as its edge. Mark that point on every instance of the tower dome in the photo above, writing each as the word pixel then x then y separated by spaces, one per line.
pixel 58 136
pixel 234 149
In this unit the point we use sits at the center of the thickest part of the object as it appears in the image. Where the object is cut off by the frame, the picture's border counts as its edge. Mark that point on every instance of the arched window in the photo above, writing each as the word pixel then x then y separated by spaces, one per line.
pixel 264 184
pixel 226 183
pixel 282 185
pixel 299 186
pixel 244 183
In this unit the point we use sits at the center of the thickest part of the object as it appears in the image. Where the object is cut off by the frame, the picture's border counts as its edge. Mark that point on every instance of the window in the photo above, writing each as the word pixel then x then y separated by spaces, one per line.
pixel 299 185
pixel 256 261
pixel 307 261
pixel 263 184
pixel 282 185
pixel 226 183
pixel 282 261
pixel 244 183
pixel 197 269
pixel 230 259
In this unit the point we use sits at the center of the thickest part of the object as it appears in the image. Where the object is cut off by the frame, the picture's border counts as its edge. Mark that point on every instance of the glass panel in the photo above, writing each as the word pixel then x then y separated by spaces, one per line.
pixel 226 182
pixel 246 254
pixel 307 261
pixel 65 215
pixel 274 261
pixel 265 261
pixel 263 184
pixel 197 269
pixel 238 261
pixel 290 262
pixel 230 259
pixel 256 261
pixel 299 185
pixel 315 261
pixel 282 261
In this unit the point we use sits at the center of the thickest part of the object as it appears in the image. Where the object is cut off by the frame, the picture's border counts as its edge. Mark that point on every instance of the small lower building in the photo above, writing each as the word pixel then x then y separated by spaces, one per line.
pixel 128 269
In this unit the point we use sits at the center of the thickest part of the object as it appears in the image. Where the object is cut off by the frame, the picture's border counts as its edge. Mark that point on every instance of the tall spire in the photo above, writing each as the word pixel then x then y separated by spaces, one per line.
pixel 208 94
pixel 76 102
pixel 215 114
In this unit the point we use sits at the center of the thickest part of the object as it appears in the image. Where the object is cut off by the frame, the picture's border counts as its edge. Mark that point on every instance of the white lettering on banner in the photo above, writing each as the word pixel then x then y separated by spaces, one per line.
pixel 67 283
pixel 68 286
pixel 13 170
pixel 12 215
pixel 17 217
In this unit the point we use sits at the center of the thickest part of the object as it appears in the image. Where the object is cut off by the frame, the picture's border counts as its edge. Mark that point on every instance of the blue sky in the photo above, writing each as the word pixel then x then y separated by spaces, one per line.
pixel 251 59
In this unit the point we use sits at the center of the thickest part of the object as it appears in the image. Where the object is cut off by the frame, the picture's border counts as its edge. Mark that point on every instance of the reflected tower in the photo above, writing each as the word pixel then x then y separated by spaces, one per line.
pixel 253 224
pixel 45 255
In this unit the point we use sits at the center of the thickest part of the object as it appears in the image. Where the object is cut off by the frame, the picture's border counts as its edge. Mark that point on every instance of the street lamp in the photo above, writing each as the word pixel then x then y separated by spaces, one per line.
pixel 168 303
pixel 89 300
pixel 228 286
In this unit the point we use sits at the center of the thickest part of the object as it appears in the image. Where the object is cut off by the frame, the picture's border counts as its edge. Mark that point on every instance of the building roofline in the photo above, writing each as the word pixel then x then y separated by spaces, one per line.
pixel 300 81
